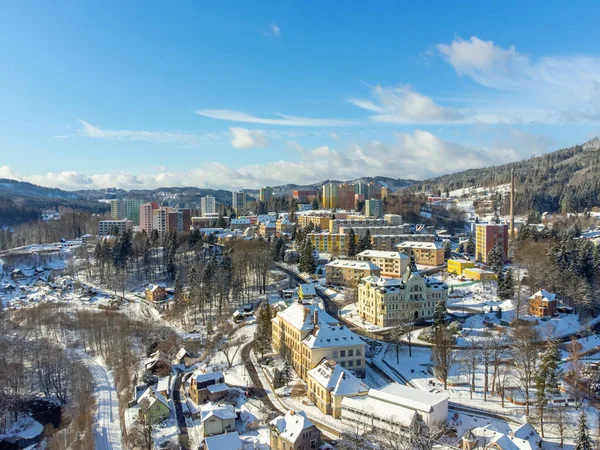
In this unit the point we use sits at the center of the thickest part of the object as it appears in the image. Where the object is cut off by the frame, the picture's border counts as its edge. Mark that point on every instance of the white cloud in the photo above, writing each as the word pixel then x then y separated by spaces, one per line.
pixel 334 135
pixel 551 89
pixel 275 29
pixel 160 137
pixel 245 138
pixel 415 155
pixel 238 116
pixel 404 105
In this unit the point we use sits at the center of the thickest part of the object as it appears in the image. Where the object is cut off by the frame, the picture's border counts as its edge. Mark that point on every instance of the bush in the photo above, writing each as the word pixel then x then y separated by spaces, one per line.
pixel 455 327
pixel 427 334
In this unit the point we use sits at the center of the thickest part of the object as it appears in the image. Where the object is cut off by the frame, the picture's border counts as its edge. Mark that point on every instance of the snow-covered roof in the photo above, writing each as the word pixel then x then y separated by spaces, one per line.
pixel 307 289
pixel 291 425
pixel 220 387
pixel 352 264
pixel 417 244
pixel 332 336
pixel 210 376
pixel 154 287
pixel 506 442
pixel 182 353
pixel 332 376
pixel 527 433
pixel 371 406
pixel 222 411
pixel 408 397
pixel 545 295
pixel 381 254
pixel 228 441
pixel 149 397
pixel 163 384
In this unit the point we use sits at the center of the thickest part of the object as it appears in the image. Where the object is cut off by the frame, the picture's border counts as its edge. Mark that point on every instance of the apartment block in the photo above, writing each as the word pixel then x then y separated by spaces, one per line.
pixel 126 208
pixel 208 205
pixel 374 208
pixel 392 264
pixel 488 236
pixel 345 197
pixel 348 272
pixel 325 242
pixel 265 194
pixel 330 196
pixel 337 223
pixel 426 253
pixel 309 334
pixel 304 196
pixel 106 227
pixel 146 216
pixel 374 229
pixel 238 202
pixel 385 301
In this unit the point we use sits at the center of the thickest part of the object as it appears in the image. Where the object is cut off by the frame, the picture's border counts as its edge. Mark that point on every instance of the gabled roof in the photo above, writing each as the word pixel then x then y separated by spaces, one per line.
pixel 149 397
pixel 333 377
pixel 418 244
pixel 307 289
pixel 222 411
pixel 332 336
pixel 291 425
pixel 352 264
pixel 545 295
pixel 228 441
pixel 182 353
pixel 210 376
pixel 382 254
pixel 163 384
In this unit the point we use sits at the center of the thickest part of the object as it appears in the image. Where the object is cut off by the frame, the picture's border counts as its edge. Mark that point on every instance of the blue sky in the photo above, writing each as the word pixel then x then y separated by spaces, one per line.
pixel 243 94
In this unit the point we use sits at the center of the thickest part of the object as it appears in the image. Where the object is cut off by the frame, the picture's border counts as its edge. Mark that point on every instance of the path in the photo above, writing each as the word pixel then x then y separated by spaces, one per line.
pixel 108 423
pixel 178 400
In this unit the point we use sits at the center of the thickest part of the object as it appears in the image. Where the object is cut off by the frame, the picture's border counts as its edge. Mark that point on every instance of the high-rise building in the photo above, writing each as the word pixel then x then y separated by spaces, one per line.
pixel 374 190
pixel 385 192
pixel 238 202
pixel 304 196
pixel 127 208
pixel 373 208
pixel 265 194
pixel 330 196
pixel 345 198
pixel 160 219
pixel 488 236
pixel 208 205
pixel 146 216
pixel 106 227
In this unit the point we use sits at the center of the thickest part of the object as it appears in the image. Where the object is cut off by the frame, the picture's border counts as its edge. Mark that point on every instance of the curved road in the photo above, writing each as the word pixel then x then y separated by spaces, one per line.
pixel 108 423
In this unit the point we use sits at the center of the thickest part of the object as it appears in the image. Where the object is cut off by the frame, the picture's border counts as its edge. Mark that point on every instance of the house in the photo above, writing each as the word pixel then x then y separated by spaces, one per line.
pixel 523 438
pixel 163 386
pixel 329 382
pixel 294 431
pixel 154 408
pixel 159 364
pixel 395 408
pixel 543 304
pixel 307 291
pixel 477 274
pixel 347 272
pixel 207 387
pixel 310 334
pixel 228 441
pixel 182 355
pixel 155 292
pixel 16 274
pixel 385 301
pixel 217 419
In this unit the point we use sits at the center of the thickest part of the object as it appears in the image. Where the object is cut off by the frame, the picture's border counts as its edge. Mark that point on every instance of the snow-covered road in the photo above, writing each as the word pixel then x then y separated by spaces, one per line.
pixel 108 425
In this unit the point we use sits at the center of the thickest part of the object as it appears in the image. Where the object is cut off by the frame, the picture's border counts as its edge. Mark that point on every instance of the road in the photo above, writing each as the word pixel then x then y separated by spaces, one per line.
pixel 178 400
pixel 108 424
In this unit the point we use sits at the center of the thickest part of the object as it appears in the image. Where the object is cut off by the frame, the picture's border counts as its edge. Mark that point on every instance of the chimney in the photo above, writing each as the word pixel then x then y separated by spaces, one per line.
pixel 316 317
pixel 292 412
pixel 512 204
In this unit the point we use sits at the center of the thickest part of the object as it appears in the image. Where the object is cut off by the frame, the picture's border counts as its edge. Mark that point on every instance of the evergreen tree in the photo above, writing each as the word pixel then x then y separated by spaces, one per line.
pixel 315 203
pixel 547 379
pixel 351 243
pixel 221 223
pixel 286 372
pixel 583 441
pixel 178 287
pixel 447 250
pixel 439 313
pixel 307 260
pixel 471 246
pixel 263 333
pixel 494 260
pixel 294 232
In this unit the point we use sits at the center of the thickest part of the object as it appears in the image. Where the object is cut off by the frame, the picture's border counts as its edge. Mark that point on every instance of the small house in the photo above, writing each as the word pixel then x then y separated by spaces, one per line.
pixel 294 431
pixel 307 291
pixel 543 304
pixel 159 364
pixel 182 355
pixel 217 419
pixel 156 292
pixel 163 386
pixel 207 387
pixel 154 408
pixel 228 441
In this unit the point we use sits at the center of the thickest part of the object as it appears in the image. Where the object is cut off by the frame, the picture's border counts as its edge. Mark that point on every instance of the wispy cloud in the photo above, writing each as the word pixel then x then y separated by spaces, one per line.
pixel 159 137
pixel 417 155
pixel 245 138
pixel 564 89
pixel 404 105
pixel 238 116
pixel 275 29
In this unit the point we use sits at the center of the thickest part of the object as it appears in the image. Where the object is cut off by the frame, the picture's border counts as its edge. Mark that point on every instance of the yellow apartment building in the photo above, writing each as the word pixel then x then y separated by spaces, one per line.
pixel 348 272
pixel 426 253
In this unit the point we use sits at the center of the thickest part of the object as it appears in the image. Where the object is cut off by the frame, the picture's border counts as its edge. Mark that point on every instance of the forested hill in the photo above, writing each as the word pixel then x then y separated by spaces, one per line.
pixel 566 180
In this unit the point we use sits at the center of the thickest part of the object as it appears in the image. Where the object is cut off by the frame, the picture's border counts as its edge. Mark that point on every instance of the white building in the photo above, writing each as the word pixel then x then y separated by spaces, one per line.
pixel 392 264
pixel 238 202
pixel 105 227
pixel 208 205
pixel 395 408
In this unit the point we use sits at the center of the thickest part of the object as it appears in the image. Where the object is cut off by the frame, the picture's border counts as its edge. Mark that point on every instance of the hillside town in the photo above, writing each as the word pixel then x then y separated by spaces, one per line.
pixel 340 327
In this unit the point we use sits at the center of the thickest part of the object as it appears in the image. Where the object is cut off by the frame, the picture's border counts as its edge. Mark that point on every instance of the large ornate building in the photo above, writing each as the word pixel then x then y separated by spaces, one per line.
pixel 385 301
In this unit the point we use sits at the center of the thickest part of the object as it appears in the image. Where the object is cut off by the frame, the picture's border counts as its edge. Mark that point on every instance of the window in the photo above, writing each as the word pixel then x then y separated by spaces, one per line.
pixel 343 353
pixel 358 362
pixel 350 363
pixel 350 352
